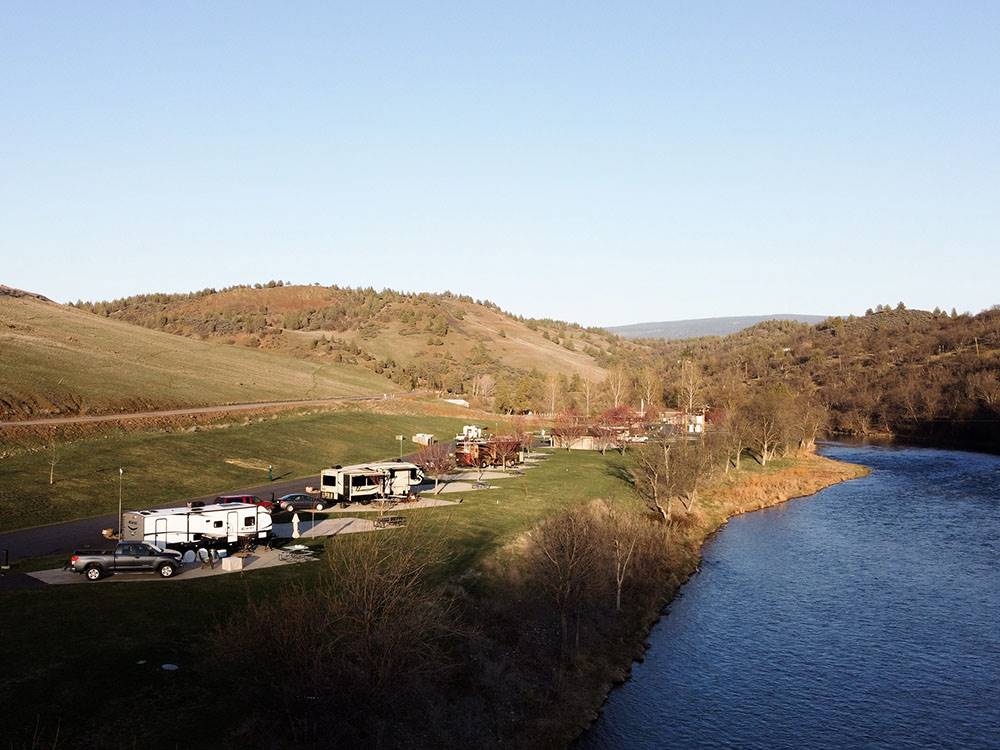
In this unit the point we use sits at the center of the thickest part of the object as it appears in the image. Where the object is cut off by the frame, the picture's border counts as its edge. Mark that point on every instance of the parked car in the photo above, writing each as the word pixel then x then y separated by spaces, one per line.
pixel 300 501
pixel 248 500
pixel 127 557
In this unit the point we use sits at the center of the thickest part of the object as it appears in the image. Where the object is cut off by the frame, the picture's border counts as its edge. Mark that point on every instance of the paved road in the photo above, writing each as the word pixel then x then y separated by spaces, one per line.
pixel 61 538
pixel 222 409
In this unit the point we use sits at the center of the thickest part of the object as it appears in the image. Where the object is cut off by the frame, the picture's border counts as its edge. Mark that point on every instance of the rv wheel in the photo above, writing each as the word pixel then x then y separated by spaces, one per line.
pixel 166 570
pixel 93 573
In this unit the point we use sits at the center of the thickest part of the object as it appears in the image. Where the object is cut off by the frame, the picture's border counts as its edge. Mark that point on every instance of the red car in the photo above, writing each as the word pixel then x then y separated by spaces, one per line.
pixel 248 500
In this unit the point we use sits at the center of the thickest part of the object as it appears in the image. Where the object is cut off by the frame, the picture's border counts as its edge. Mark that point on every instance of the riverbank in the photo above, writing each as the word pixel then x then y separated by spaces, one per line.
pixel 832 623
pixel 734 494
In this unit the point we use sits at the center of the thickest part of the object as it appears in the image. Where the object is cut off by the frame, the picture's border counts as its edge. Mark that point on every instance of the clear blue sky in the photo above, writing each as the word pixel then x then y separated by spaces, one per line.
pixel 606 163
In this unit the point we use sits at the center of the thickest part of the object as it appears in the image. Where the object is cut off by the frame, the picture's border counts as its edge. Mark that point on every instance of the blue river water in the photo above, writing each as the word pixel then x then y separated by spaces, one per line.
pixel 865 616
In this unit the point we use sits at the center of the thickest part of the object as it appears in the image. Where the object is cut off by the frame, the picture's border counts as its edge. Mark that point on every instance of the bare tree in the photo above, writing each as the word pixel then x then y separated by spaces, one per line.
pixel 616 383
pixel 764 415
pixel 569 427
pixel 506 449
pixel 652 466
pixel 436 459
pixel 588 392
pixel 624 535
pixel 689 388
pixel 650 386
pixel 563 549
pixel 54 459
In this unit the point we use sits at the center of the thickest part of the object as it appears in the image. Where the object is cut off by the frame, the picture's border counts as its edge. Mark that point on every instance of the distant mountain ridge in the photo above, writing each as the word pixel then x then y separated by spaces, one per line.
pixel 697 327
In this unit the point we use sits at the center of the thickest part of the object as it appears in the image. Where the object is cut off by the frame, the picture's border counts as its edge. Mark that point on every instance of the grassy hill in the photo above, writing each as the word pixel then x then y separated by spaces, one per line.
pixel 697 327
pixel 440 341
pixel 58 360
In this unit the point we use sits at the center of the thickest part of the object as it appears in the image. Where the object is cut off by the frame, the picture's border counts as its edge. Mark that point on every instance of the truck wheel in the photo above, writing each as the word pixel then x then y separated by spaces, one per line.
pixel 166 570
pixel 93 572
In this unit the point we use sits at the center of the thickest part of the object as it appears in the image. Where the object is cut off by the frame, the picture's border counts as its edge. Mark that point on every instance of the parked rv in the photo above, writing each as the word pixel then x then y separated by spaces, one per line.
pixel 471 432
pixel 496 451
pixel 367 482
pixel 217 526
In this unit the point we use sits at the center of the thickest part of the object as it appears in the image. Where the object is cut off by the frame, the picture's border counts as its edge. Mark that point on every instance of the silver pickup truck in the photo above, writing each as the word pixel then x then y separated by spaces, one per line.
pixel 127 557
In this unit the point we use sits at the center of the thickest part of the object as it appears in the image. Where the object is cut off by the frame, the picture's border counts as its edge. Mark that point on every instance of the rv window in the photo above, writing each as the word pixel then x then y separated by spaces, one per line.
pixel 249 521
pixel 329 480
pixel 217 524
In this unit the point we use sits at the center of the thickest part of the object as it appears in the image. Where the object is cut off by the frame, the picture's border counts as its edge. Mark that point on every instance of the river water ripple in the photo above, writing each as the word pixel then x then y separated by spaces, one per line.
pixel 866 616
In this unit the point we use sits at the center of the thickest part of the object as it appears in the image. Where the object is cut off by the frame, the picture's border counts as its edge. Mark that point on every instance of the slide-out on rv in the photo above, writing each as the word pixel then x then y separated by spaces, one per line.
pixel 222 525
pixel 367 482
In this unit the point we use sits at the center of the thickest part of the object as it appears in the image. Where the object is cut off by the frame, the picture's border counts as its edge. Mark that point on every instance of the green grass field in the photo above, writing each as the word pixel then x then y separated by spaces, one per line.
pixel 163 467
pixel 55 359
pixel 62 643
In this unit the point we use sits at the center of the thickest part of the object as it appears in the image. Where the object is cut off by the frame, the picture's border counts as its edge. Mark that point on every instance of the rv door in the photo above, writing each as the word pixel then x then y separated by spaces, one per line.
pixel 232 526
pixel 160 535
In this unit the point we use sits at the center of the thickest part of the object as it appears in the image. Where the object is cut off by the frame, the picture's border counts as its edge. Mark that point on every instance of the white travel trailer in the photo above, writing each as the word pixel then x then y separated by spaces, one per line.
pixel 367 482
pixel 471 432
pixel 222 525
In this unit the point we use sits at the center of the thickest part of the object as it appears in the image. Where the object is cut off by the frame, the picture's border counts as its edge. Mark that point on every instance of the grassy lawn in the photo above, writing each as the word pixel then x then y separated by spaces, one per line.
pixel 61 642
pixel 163 467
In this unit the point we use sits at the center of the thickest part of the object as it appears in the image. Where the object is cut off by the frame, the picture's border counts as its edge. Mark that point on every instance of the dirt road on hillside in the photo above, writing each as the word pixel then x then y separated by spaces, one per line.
pixel 222 409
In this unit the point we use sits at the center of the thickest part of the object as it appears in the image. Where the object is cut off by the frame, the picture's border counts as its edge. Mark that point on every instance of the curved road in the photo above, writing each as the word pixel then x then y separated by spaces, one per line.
pixel 64 537
pixel 227 408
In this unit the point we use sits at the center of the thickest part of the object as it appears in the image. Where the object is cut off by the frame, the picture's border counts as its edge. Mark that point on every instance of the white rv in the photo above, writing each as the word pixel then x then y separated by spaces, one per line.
pixel 471 432
pixel 367 482
pixel 221 525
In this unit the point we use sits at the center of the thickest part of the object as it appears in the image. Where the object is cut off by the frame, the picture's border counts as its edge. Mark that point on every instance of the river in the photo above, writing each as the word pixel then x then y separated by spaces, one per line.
pixel 865 616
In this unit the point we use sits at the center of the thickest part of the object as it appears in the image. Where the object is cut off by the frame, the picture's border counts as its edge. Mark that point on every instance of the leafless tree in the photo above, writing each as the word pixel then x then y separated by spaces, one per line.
pixel 650 386
pixel 764 415
pixel 54 459
pixel 616 384
pixel 652 466
pixel 506 449
pixel 588 393
pixel 623 532
pixel 436 459
pixel 570 428
pixel 563 549
pixel 690 388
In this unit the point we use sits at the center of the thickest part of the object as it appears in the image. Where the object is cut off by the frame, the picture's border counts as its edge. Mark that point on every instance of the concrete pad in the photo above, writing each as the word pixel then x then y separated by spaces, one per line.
pixel 472 476
pixel 261 559
pixel 325 527
pixel 458 486
pixel 423 502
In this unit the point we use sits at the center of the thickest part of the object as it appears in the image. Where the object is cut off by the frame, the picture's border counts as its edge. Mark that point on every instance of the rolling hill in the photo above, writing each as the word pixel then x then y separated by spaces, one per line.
pixel 55 359
pixel 698 327
pixel 435 341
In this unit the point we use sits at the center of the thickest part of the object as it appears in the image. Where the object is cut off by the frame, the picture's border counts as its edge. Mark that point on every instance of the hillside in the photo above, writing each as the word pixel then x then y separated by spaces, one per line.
pixel 912 373
pixel 698 327
pixel 58 360
pixel 438 341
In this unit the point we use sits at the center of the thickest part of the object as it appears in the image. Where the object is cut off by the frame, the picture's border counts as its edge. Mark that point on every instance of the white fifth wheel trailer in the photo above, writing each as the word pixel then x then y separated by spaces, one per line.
pixel 222 525
pixel 367 482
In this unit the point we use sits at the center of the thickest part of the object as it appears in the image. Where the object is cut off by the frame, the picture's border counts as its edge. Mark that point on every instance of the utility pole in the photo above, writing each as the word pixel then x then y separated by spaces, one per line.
pixel 121 479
